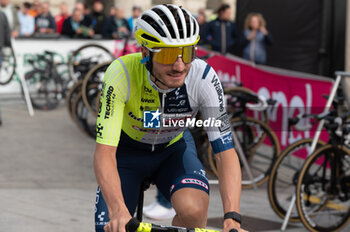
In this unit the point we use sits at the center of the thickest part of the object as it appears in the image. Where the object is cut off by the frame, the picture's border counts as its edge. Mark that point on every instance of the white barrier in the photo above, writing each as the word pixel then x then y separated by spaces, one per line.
pixel 26 48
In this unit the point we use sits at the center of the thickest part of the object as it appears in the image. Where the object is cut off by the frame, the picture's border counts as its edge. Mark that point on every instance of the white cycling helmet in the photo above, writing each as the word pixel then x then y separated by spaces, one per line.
pixel 166 26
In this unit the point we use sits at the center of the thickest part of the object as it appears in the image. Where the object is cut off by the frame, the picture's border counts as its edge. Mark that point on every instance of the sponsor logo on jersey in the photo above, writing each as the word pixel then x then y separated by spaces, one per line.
pixel 147 90
pixel 99 129
pixel 108 102
pixel 194 181
pixel 99 108
pixel 225 123
pixel 227 139
pixel 151 119
pixel 134 117
pixel 216 82
pixel 145 100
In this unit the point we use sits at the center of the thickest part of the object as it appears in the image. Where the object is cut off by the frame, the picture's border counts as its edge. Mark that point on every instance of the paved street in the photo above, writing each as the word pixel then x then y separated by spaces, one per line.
pixel 47 181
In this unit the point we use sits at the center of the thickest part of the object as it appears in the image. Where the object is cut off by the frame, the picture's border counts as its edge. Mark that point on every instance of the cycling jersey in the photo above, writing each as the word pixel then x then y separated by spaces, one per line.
pixel 128 94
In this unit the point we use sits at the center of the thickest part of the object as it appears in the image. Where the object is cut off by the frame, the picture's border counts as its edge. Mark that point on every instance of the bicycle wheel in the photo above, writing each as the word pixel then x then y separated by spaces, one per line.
pixel 283 176
pixel 237 97
pixel 84 119
pixel 323 189
pixel 260 146
pixel 85 57
pixel 45 91
pixel 7 65
pixel 71 96
pixel 94 76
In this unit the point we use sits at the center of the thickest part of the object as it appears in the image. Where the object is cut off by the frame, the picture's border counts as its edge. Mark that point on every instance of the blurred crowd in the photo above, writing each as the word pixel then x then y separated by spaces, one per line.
pixel 34 19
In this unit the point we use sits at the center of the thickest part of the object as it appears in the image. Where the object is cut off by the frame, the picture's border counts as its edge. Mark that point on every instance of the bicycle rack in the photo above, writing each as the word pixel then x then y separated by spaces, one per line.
pixel 335 87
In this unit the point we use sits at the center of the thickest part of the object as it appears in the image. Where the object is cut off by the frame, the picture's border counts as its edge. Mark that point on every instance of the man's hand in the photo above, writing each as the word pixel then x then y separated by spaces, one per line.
pixel 118 221
pixel 230 224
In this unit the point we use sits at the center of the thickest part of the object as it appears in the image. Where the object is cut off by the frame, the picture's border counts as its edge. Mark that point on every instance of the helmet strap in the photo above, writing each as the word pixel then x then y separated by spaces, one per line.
pixel 149 66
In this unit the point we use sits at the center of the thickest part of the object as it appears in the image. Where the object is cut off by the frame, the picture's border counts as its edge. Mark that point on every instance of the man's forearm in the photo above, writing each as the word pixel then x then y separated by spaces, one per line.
pixel 107 176
pixel 229 172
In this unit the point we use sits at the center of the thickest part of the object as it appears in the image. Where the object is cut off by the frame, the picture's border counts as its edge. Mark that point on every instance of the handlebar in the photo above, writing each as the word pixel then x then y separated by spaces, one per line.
pixel 260 106
pixel 135 226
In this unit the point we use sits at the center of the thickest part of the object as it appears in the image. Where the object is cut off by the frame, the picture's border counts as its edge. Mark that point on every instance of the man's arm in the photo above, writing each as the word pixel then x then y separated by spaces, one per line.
pixel 229 173
pixel 105 165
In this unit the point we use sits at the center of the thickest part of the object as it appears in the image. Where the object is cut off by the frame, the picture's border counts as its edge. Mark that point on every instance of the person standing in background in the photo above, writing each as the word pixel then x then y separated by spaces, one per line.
pixel 222 31
pixel 136 11
pixel 116 27
pixel 35 9
pixel 63 15
pixel 12 17
pixel 202 22
pixel 26 21
pixel 5 38
pixel 256 37
pixel 98 17
pixel 78 26
pixel 45 22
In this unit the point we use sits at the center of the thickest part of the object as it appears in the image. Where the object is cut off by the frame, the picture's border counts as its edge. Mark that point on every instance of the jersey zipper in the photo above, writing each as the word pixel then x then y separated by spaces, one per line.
pixel 162 112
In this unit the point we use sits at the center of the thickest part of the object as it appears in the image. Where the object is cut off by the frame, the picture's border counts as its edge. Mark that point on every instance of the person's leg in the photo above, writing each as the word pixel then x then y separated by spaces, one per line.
pixel 182 177
pixel 191 206
pixel 133 167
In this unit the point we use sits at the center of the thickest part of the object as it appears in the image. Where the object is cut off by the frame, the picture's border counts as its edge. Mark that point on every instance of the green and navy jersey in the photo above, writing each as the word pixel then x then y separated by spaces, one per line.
pixel 128 94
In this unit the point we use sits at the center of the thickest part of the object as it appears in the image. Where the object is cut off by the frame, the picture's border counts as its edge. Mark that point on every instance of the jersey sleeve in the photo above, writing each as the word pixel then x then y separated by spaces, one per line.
pixel 113 98
pixel 213 107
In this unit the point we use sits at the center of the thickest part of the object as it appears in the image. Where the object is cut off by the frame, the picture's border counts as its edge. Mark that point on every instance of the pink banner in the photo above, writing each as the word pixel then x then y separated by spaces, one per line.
pixel 295 93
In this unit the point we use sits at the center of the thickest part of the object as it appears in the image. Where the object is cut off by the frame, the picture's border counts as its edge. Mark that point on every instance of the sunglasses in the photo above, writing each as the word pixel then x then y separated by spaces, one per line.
pixel 170 55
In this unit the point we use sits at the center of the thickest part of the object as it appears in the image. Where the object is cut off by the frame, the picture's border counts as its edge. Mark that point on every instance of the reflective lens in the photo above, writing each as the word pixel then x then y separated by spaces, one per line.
pixel 170 55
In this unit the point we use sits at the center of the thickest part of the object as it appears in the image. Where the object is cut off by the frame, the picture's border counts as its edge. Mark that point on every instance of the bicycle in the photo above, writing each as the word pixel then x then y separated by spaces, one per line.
pixel 323 185
pixel 286 168
pixel 86 57
pixel 136 224
pixel 46 86
pixel 258 141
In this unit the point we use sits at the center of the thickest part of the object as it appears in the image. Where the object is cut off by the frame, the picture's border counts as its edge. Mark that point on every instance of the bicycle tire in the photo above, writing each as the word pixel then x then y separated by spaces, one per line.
pixel 260 176
pixel 3 78
pixel 92 77
pixel 327 202
pixel 278 195
pixel 45 91
pixel 244 91
pixel 85 122
pixel 71 96
pixel 71 59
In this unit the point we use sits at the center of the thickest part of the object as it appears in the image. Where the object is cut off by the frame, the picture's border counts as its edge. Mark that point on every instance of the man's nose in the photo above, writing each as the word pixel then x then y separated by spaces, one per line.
pixel 179 65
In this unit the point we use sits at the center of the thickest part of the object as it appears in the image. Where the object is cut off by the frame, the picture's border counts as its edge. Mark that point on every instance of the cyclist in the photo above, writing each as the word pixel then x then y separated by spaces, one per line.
pixel 166 82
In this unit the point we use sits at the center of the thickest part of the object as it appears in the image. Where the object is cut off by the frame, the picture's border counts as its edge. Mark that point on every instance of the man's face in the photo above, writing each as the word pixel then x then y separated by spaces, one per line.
pixel 45 8
pixel 4 3
pixel 173 75
pixel 98 7
pixel 77 15
pixel 226 14
pixel 136 13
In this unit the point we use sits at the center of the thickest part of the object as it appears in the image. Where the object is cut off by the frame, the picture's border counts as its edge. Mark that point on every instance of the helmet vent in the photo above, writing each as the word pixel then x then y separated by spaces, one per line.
pixel 188 25
pixel 145 36
pixel 153 24
pixel 194 27
pixel 166 21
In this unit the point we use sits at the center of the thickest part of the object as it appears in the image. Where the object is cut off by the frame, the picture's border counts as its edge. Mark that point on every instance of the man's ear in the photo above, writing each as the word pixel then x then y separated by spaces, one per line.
pixel 144 52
